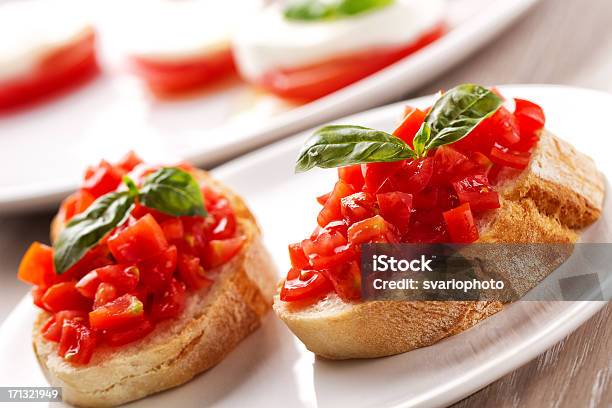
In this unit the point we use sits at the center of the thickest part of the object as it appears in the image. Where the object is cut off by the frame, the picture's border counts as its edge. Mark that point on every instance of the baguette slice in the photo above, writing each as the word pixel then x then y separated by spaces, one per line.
pixel 559 193
pixel 213 323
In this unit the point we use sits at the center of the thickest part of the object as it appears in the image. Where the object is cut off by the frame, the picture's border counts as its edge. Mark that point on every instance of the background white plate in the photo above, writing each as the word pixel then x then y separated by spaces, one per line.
pixel 272 368
pixel 44 151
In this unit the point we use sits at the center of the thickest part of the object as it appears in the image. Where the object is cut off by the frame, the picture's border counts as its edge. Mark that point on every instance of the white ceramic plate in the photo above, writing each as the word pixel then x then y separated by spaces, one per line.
pixel 44 151
pixel 272 368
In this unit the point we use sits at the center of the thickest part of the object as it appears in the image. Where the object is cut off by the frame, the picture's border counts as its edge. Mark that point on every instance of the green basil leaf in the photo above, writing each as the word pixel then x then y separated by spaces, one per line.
pixel 317 10
pixel 343 145
pixel 458 112
pixel 421 139
pixel 172 191
pixel 85 230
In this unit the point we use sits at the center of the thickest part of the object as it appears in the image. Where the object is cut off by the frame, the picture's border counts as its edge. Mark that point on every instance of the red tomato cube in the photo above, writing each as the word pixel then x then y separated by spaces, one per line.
pixel 139 241
pixel 460 224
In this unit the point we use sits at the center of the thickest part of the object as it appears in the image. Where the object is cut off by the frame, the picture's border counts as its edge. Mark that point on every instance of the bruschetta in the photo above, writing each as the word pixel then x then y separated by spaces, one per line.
pixel 305 49
pixel 155 274
pixel 472 168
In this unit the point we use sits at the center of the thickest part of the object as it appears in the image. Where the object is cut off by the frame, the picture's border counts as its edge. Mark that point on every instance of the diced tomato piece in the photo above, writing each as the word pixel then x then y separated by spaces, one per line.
pixel 477 191
pixel 500 127
pixel 413 176
pixel 77 342
pixel 340 226
pixel 450 163
pixel 37 294
pixel 192 272
pixel 173 229
pixel 95 258
pixel 65 296
pixel 331 210
pixel 530 116
pixel 140 211
pixel 298 257
pixel 224 221
pixel 36 266
pixel 102 179
pixel 322 199
pixel 88 284
pixel 129 161
pixel 221 251
pixel 460 224
pixel 396 208
pixel 170 303
pixel 357 207
pixel 139 241
pixel 351 175
pixel 123 312
pixel 105 293
pixel 195 241
pixel 123 277
pixel 302 285
pixel 483 162
pixel 427 226
pixel 119 338
pixel 427 198
pixel 327 249
pixel 413 119
pixel 506 157
pixel 157 271
pixel 75 204
pixel 375 174
pixel 372 230
pixel 346 280
pixel 52 330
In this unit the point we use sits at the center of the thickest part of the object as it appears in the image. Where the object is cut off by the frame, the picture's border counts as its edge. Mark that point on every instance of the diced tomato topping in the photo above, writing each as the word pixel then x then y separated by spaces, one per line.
pixel 506 157
pixel 65 296
pixel 173 229
pixel 432 199
pixel 322 199
pixel 75 204
pixel 192 272
pixel 119 338
pixel 351 175
pixel 137 275
pixel 530 116
pixel 358 206
pixel 477 191
pixel 52 330
pixel 376 174
pixel 36 266
pixel 396 208
pixel 102 179
pixel 123 312
pixel 77 342
pixel 157 271
pixel 221 251
pixel 412 177
pixel 139 241
pixel 129 161
pixel 301 285
pixel 413 119
pixel 170 303
pixel 346 280
pixel 372 230
pixel 105 293
pixel 297 256
pixel 331 210
pixel 460 224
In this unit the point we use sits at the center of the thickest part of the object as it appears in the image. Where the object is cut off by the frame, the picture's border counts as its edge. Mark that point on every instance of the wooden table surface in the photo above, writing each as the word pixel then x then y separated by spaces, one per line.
pixel 559 41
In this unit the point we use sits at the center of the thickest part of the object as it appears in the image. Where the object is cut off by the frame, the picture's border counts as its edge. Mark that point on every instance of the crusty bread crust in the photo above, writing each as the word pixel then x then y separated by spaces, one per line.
pixel 560 192
pixel 213 323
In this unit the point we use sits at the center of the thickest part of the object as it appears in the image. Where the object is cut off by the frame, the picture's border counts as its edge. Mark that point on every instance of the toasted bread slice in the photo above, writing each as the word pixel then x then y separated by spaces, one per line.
pixel 213 323
pixel 560 192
